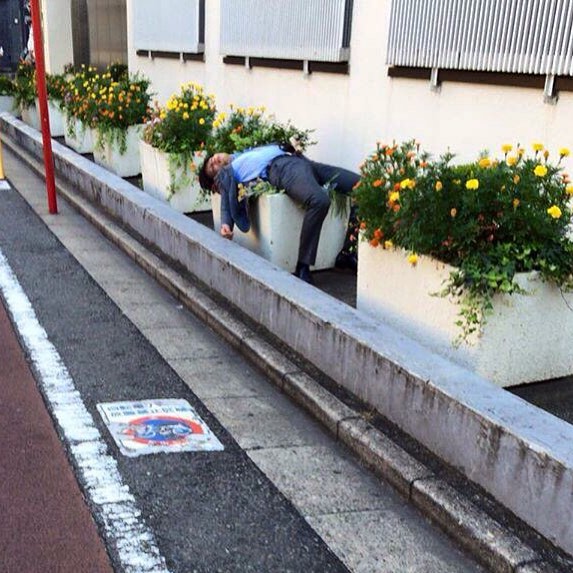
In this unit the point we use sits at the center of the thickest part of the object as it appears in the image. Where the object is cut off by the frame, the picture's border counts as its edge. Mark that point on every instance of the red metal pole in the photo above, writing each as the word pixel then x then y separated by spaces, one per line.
pixel 43 105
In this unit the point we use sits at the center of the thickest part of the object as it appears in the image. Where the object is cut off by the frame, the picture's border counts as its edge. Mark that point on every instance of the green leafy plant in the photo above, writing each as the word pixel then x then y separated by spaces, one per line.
pixel 243 128
pixel 57 87
pixel 25 84
pixel 7 87
pixel 489 219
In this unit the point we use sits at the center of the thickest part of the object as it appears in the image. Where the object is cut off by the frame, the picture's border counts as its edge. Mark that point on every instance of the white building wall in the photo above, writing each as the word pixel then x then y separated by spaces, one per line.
pixel 57 30
pixel 351 112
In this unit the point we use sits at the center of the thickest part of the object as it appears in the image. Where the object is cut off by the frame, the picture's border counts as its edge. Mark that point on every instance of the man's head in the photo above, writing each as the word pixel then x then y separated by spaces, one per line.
pixel 211 166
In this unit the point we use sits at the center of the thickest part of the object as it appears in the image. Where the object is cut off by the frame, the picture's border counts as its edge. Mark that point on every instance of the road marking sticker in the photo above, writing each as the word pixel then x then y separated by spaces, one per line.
pixel 4 185
pixel 153 426
pixel 133 541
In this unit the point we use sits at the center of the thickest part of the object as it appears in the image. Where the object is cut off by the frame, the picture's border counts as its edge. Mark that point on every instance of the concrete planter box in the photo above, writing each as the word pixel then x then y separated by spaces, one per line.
pixel 31 116
pixel 526 338
pixel 7 104
pixel 158 181
pixel 276 222
pixel 77 135
pixel 126 164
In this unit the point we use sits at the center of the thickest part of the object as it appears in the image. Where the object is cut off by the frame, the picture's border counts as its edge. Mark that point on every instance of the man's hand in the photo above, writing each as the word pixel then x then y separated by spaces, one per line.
pixel 226 232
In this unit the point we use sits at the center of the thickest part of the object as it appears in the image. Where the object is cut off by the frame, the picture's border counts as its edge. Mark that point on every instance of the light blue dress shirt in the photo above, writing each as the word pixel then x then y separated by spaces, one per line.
pixel 253 163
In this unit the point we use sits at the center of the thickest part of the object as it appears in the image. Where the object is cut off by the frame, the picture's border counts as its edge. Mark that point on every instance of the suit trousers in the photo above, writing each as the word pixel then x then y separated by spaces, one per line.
pixel 303 180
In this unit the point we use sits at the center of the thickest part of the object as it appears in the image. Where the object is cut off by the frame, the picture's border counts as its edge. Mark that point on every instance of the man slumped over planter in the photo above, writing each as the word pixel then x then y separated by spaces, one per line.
pixel 301 179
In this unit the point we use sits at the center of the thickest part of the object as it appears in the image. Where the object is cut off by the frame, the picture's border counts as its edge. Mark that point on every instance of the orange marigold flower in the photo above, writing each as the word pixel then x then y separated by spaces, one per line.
pixel 378 234
pixel 363 225
pixel 374 242
pixel 377 183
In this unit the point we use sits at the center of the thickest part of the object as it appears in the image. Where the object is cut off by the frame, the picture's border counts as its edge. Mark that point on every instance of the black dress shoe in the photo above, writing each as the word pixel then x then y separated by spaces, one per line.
pixel 303 273
pixel 347 261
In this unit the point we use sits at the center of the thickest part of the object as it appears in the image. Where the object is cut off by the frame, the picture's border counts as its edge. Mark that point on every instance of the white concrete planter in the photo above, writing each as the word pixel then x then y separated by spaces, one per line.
pixel 7 104
pixel 126 164
pixel 276 222
pixel 56 119
pixel 527 338
pixel 77 135
pixel 158 182
pixel 31 116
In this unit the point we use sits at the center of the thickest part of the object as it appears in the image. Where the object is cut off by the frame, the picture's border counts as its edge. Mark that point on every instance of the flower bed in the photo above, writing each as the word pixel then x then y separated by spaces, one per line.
pixel 490 221
pixel 173 149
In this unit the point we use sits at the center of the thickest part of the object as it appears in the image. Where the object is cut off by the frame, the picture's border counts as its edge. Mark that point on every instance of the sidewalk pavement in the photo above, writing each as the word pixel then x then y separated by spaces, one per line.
pixel 282 496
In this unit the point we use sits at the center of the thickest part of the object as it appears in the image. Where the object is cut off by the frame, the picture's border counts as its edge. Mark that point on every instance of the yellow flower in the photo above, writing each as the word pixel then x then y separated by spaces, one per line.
pixel 394 196
pixel 554 211
pixel 388 244
pixel 439 186
pixel 506 147
pixel 202 121
pixel 453 212
pixel 407 183
pixel 516 179
pixel 472 184
pixel 537 146
pixel 413 259
pixel 484 162
pixel 540 171
pixel 515 203
pixel 569 190
pixel 564 152
pixel 511 160
pixel 185 115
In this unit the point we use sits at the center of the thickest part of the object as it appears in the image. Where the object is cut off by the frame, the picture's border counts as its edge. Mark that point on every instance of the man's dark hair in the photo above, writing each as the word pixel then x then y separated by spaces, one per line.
pixel 205 180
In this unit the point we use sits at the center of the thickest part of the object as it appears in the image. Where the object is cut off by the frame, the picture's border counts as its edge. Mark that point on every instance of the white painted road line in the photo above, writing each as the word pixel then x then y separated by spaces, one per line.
pixel 134 541
pixel 4 185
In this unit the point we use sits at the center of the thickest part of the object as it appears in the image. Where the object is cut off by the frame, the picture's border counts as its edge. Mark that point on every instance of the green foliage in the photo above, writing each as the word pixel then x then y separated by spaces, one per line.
pixel 25 84
pixel 490 219
pixel 7 87
pixel 244 128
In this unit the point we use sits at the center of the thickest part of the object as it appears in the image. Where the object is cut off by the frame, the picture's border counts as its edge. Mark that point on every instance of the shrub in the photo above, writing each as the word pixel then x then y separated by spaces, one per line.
pixel 184 124
pixel 25 84
pixel 490 219
pixel 7 87
pixel 244 128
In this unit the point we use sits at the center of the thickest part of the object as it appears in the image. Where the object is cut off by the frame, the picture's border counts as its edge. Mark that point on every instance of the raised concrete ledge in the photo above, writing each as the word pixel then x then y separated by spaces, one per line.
pixel 517 452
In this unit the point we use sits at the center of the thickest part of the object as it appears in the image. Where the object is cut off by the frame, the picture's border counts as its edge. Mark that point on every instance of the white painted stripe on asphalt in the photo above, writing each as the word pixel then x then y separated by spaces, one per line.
pixel 135 543
pixel 4 185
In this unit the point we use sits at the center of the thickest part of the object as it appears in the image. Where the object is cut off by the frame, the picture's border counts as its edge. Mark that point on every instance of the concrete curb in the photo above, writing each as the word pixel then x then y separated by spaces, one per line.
pixel 474 529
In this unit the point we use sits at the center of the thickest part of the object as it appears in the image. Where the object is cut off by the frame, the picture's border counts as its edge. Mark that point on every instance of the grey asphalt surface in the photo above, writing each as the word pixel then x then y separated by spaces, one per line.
pixel 230 515
pixel 270 499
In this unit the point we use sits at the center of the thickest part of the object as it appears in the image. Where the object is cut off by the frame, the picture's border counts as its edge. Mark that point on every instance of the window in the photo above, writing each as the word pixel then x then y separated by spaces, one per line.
pixel 169 26
pixel 509 36
pixel 317 30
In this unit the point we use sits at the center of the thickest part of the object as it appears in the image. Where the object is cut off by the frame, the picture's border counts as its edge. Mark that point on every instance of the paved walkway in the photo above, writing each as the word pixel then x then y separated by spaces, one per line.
pixel 282 496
